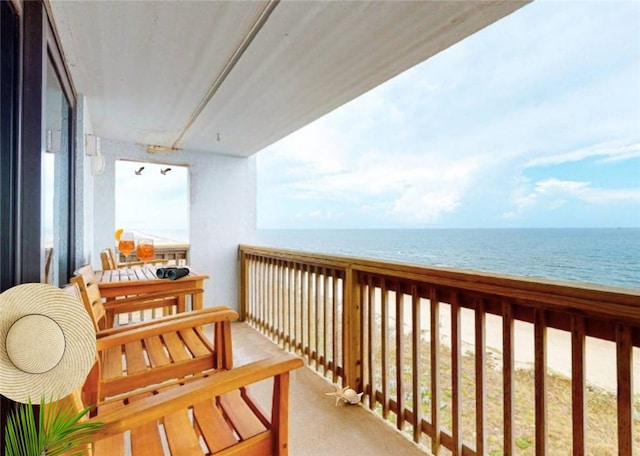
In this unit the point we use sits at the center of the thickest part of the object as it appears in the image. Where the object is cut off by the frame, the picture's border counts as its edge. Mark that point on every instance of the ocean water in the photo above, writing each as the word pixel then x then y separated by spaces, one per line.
pixel 601 256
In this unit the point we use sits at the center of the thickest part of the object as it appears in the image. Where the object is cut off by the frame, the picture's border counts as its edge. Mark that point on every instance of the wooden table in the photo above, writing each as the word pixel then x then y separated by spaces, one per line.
pixel 117 282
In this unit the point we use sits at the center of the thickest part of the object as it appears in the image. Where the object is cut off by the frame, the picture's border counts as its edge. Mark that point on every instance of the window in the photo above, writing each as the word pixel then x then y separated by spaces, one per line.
pixel 153 199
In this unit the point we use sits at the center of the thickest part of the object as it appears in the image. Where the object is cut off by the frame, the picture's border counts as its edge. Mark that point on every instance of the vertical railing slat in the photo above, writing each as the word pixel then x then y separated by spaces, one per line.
pixel 255 294
pixel 281 304
pixel 456 375
pixel 399 357
pixel 540 347
pixel 263 297
pixel 434 307
pixel 270 300
pixel 275 299
pixel 290 299
pixel 508 378
pixel 371 345
pixel 334 325
pixel 384 348
pixel 293 324
pixel 285 304
pixel 416 371
pixel 250 285
pixel 318 312
pixel 481 377
pixel 624 361
pixel 363 326
pixel 325 326
pixel 578 384
pixel 306 278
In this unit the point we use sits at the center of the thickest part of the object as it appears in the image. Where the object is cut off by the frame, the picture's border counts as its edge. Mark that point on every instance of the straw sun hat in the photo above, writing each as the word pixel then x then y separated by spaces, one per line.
pixel 47 343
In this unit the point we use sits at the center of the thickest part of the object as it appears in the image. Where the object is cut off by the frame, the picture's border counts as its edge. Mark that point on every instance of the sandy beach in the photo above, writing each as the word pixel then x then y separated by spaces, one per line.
pixel 600 354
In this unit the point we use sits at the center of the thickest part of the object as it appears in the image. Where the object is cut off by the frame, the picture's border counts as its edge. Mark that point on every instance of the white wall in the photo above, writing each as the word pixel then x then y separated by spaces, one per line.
pixel 84 186
pixel 222 215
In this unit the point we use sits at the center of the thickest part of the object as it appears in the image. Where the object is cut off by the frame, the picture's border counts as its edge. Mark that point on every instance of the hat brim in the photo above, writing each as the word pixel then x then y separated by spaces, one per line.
pixel 80 343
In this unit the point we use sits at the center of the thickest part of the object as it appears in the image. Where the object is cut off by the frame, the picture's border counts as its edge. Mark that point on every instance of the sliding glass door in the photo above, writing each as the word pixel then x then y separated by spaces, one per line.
pixel 46 196
pixel 56 169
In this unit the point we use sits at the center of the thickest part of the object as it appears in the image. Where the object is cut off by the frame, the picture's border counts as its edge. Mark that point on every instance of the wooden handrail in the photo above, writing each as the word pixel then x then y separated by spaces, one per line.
pixel 348 316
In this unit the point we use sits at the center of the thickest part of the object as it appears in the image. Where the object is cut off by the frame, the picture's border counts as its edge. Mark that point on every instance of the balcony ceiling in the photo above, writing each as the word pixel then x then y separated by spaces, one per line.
pixel 233 77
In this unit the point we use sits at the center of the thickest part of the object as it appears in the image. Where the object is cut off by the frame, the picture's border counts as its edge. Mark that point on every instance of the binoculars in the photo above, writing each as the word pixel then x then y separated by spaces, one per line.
pixel 171 273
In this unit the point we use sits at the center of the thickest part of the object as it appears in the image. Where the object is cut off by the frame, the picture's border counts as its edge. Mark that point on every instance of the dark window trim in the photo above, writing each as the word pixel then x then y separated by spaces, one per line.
pixel 30 255
pixel 9 139
pixel 40 45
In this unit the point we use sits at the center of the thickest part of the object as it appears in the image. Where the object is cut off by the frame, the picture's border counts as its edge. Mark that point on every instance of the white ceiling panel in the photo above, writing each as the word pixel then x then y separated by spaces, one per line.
pixel 149 69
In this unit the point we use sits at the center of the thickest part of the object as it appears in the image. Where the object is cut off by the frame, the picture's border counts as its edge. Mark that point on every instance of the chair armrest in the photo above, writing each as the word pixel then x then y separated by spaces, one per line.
pixel 163 325
pixel 137 302
pixel 155 321
pixel 165 402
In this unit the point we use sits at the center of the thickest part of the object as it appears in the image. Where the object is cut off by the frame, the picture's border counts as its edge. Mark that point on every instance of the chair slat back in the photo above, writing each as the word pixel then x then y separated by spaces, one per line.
pixel 104 260
pixel 87 283
pixel 108 259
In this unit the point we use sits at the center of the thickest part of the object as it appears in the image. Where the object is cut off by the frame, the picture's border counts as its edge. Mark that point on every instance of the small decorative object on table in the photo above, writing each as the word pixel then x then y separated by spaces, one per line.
pixel 346 394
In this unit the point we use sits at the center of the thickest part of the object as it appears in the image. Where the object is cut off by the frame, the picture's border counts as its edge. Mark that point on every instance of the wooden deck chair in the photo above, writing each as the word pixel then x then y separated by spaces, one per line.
pixel 109 261
pixel 211 415
pixel 87 283
pixel 155 351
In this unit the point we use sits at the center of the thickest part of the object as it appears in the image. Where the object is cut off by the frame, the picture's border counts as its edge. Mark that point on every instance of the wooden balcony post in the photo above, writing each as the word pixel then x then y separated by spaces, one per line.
pixel 624 360
pixel 352 337
pixel 540 347
pixel 481 376
pixel 434 308
pixel 578 382
pixel 243 285
pixel 508 362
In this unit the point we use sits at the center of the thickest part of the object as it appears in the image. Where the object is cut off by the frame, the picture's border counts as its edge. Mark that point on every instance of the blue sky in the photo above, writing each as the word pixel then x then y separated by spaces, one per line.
pixel 532 122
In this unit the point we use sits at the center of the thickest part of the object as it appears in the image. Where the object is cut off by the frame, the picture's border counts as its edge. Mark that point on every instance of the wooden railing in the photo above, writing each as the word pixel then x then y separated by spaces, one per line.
pixel 415 340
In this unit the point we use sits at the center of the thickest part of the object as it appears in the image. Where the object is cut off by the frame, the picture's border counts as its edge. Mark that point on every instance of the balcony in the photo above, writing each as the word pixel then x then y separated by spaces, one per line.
pixel 521 365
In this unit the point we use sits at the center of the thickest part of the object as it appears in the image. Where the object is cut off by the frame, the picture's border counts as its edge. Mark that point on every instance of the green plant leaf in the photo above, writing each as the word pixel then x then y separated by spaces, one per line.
pixel 60 431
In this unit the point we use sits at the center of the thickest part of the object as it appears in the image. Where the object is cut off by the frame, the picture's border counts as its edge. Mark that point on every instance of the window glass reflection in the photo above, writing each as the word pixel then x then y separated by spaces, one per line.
pixel 55 205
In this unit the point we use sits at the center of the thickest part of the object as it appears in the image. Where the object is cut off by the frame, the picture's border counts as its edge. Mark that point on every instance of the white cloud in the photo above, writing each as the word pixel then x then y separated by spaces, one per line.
pixel 538 88
pixel 555 193
pixel 612 152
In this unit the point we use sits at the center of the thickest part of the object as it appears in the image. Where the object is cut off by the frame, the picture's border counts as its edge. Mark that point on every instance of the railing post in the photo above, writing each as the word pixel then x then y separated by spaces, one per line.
pixel 243 285
pixel 352 327
pixel 624 361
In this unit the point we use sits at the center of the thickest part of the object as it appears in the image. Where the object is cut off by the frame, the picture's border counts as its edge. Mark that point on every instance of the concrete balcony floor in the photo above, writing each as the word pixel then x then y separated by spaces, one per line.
pixel 316 425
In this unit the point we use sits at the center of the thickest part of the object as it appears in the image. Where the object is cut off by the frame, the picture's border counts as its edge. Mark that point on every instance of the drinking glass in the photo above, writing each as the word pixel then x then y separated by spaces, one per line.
pixel 146 250
pixel 126 245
